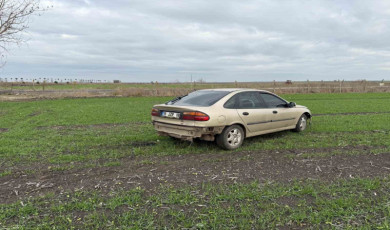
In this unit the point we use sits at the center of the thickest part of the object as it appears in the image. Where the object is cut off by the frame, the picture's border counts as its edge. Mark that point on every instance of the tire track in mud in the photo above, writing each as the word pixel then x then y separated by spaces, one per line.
pixel 195 169
pixel 3 130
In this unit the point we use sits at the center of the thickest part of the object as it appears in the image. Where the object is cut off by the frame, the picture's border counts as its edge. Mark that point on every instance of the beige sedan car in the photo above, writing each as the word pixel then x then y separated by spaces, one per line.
pixel 228 116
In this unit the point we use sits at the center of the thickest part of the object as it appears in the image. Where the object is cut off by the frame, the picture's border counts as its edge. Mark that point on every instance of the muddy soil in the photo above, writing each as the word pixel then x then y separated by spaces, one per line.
pixel 194 169
pixel 3 130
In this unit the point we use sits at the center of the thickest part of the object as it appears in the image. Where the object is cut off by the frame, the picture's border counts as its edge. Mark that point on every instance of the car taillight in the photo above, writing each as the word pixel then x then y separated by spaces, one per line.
pixel 195 116
pixel 155 112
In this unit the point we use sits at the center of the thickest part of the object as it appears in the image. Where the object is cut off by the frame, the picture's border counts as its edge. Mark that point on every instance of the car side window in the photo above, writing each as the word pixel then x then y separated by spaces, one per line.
pixel 273 101
pixel 231 103
pixel 249 100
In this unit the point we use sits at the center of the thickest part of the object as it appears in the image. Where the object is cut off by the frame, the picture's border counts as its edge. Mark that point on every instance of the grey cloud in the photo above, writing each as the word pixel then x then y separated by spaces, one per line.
pixel 218 40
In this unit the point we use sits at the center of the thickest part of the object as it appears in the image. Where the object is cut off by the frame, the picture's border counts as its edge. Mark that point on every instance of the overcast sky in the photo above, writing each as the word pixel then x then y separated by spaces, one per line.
pixel 216 40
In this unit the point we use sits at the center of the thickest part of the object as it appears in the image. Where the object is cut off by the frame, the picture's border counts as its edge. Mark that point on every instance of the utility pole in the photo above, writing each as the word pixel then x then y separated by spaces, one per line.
pixel 192 85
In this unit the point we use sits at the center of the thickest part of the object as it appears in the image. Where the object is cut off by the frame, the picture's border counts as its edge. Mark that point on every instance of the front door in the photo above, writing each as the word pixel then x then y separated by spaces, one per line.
pixel 253 111
pixel 282 115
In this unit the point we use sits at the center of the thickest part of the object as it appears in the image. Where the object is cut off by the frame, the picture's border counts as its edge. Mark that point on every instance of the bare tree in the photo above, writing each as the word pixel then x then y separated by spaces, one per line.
pixel 14 19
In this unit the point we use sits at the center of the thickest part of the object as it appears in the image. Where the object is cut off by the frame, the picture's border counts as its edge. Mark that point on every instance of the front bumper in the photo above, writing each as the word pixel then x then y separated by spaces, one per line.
pixel 187 132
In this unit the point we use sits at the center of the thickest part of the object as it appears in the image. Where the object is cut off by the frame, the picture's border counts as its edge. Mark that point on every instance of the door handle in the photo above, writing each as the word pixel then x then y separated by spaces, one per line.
pixel 274 112
pixel 245 113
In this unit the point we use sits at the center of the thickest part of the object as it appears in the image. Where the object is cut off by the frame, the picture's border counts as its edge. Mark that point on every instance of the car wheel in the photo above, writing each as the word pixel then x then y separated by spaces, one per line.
pixel 301 124
pixel 231 137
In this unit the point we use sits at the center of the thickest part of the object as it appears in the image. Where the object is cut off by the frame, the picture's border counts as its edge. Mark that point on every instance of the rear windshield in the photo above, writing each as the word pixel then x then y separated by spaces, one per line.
pixel 200 98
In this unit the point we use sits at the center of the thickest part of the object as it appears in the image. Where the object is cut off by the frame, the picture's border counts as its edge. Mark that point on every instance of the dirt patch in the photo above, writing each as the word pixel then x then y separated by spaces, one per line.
pixel 143 143
pixel 343 114
pixel 3 130
pixel 12 98
pixel 194 169
pixel 33 114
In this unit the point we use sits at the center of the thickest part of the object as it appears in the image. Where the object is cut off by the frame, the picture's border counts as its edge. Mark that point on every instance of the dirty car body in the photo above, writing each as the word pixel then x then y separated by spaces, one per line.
pixel 227 116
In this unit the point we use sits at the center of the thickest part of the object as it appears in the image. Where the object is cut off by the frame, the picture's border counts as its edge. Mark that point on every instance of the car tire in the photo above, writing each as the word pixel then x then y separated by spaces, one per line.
pixel 231 137
pixel 301 124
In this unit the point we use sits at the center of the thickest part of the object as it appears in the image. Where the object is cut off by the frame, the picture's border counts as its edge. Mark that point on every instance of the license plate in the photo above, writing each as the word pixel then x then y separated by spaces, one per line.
pixel 171 115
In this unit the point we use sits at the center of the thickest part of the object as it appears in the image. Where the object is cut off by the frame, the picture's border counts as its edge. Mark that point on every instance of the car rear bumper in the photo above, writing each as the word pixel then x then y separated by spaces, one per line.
pixel 187 132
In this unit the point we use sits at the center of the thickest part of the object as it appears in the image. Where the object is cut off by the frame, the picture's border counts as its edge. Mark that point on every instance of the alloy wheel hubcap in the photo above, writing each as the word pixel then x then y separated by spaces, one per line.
pixel 303 123
pixel 234 137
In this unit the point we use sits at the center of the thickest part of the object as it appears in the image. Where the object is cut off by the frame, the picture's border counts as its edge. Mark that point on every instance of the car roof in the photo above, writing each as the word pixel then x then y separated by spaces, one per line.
pixel 234 89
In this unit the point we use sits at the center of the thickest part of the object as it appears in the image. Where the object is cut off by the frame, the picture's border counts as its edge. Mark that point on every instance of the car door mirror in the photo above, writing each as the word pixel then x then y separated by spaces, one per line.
pixel 291 104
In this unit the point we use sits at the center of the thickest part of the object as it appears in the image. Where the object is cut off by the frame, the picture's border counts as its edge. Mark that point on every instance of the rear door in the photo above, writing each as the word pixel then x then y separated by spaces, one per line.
pixel 282 115
pixel 253 111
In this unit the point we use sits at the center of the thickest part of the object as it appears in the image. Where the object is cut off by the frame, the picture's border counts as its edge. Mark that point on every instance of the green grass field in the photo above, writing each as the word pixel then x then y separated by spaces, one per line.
pixel 41 137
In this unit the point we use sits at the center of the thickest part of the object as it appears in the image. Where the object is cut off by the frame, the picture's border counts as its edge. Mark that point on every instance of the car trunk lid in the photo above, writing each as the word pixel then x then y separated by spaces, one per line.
pixel 173 114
